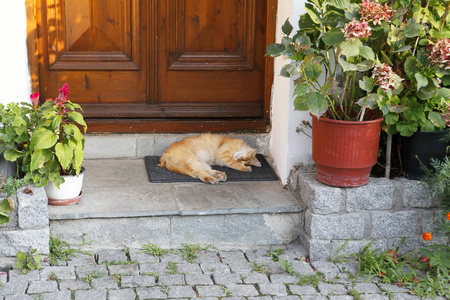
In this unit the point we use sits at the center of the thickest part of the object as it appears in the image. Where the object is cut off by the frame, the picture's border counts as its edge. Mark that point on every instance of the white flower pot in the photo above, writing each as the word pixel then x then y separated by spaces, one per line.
pixel 69 192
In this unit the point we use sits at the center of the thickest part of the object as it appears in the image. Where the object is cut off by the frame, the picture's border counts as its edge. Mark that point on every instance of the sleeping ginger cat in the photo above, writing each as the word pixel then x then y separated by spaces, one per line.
pixel 194 156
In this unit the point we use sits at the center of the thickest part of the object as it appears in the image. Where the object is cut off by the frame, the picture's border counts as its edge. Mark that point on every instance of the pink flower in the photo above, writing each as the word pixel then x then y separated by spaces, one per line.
pixel 35 99
pixel 64 90
pixel 62 97
pixel 440 53
pixel 357 29
pixel 384 77
pixel 3 273
pixel 375 12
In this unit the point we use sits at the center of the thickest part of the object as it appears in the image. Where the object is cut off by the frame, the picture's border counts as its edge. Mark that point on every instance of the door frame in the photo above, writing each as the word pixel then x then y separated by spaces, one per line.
pixel 175 125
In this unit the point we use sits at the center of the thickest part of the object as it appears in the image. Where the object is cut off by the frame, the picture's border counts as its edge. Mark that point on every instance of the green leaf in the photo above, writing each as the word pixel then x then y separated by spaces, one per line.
pixel 7 205
pixel 412 29
pixel 329 87
pixel 275 49
pixel 428 91
pixel 4 218
pixel 317 103
pixel 301 103
pixel 37 160
pixel 333 37
pixel 367 52
pixel 313 13
pixel 366 84
pixel 415 113
pixel 301 89
pixel 346 66
pixel 78 118
pixel 351 47
pixel 64 155
pixel 436 119
pixel 391 118
pixel 287 27
pixel 12 154
pixel 342 4
pixel 407 129
pixel 402 49
pixel 412 66
pixel 21 255
pixel 312 70
pixel 43 139
pixel 421 80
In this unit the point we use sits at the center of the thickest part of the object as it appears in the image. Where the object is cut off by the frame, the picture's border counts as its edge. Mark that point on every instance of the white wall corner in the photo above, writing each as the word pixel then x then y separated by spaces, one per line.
pixel 14 71
pixel 288 147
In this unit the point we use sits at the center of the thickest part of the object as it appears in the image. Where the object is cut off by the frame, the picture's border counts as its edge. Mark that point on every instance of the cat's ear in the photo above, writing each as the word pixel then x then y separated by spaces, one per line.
pixel 240 155
pixel 255 162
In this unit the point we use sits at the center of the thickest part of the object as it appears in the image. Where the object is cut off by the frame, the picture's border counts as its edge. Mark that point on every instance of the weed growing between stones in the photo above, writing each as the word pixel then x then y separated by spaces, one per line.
pixel 117 278
pixel 172 267
pixel 312 280
pixel 28 261
pixel 91 276
pixel 260 268
pixel 155 250
pixel 227 292
pixel 164 289
pixel 59 250
pixel 419 274
pixel 190 252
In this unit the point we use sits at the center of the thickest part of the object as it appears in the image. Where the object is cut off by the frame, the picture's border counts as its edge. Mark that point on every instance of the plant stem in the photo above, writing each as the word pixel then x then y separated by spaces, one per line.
pixel 387 171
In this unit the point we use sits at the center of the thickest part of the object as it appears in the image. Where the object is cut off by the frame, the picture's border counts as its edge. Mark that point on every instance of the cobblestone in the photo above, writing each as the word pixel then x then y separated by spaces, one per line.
pixel 214 275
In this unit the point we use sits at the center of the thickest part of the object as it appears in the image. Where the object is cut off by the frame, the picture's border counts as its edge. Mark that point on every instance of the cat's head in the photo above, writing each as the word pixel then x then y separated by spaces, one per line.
pixel 247 156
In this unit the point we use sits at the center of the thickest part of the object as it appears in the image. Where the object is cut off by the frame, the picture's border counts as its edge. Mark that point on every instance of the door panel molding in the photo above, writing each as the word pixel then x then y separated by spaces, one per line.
pixel 241 36
pixel 80 41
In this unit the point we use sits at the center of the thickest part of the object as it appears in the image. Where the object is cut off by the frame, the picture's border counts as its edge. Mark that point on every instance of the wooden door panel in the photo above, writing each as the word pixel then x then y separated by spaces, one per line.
pixel 210 48
pixel 99 48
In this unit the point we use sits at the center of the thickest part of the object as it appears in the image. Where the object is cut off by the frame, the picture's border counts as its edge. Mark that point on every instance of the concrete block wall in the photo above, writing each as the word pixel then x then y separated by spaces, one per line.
pixel 29 225
pixel 382 212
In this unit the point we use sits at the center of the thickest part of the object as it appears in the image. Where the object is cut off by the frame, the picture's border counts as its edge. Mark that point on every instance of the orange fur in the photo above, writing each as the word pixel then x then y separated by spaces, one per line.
pixel 194 156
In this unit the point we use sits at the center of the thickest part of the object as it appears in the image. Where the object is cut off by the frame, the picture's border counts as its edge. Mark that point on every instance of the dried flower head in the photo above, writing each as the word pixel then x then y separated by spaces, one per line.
pixel 384 77
pixel 357 29
pixel 427 236
pixel 375 12
pixel 440 53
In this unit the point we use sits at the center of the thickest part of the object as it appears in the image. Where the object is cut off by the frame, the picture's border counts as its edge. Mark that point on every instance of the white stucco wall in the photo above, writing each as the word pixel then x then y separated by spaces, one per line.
pixel 288 148
pixel 14 74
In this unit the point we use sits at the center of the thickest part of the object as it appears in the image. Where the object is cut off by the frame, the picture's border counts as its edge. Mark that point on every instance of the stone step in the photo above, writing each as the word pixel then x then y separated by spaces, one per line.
pixel 121 208
pixel 119 146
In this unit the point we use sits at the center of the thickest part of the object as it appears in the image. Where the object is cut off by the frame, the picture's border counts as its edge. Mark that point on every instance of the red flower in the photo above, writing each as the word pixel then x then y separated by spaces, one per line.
pixel 35 99
pixel 382 274
pixel 64 90
pixel 448 216
pixel 427 236
pixel 425 259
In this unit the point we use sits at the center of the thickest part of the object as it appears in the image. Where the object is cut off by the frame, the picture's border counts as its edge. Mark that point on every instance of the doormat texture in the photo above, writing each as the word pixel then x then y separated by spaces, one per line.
pixel 157 174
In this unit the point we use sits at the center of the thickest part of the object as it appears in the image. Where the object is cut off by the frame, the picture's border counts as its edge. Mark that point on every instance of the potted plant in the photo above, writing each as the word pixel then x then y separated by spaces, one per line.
pixel 355 61
pixel 48 145
pixel 55 153
pixel 331 59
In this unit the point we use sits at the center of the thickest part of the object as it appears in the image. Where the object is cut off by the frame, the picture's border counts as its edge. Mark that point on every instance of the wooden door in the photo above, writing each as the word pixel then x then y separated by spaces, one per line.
pixel 159 65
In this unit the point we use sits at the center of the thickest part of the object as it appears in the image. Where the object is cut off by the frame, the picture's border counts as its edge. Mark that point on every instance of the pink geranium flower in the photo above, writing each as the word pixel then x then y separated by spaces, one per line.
pixel 357 29
pixel 440 53
pixel 375 12
pixel 384 77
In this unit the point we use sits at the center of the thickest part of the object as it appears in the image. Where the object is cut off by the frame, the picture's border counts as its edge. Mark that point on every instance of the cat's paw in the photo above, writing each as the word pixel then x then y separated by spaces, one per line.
pixel 247 169
pixel 209 179
pixel 221 176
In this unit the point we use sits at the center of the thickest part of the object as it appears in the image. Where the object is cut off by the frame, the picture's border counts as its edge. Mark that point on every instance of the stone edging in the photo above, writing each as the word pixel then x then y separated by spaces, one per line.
pixel 383 212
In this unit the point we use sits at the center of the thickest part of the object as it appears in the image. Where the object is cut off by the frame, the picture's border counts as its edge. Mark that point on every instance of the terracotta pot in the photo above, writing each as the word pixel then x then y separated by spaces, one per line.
pixel 345 151
pixel 68 193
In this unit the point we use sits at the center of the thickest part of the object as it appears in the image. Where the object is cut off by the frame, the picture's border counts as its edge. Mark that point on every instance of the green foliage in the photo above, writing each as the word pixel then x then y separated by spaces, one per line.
pixel 260 268
pixel 190 252
pixel 313 280
pixel 59 250
pixel 28 261
pixel 172 267
pixel 275 253
pixel 437 181
pixel 322 49
pixel 154 250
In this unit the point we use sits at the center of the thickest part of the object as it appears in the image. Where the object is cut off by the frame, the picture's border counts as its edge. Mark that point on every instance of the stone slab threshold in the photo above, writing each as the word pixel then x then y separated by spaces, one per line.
pixel 120 207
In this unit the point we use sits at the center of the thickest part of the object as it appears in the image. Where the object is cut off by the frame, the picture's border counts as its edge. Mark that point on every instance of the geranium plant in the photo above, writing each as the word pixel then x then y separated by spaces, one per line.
pixel 350 56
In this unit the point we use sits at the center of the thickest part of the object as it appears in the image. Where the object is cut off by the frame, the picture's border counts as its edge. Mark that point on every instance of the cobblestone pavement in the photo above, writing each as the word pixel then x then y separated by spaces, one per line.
pixel 213 275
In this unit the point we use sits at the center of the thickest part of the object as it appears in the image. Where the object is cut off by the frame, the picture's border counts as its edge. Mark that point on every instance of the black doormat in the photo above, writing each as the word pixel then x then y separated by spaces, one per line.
pixel 157 174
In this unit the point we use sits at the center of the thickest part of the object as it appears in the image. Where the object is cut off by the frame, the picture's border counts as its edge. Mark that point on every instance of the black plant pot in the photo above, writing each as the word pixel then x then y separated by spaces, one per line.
pixel 7 168
pixel 424 145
